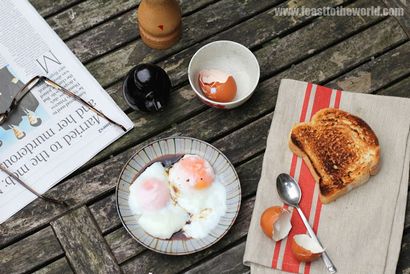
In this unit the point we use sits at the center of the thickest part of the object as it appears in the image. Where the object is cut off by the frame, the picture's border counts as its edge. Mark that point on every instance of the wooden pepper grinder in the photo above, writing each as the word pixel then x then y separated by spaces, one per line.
pixel 159 23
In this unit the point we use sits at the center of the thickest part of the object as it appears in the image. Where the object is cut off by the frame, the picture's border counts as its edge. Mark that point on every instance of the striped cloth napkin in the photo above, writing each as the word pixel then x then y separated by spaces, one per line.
pixel 361 230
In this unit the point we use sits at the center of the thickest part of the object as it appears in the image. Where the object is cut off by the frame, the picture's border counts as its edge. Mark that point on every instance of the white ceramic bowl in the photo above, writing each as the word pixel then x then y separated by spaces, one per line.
pixel 232 58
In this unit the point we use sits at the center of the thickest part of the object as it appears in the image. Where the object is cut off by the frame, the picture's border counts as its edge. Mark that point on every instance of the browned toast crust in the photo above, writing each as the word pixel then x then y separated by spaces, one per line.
pixel 340 149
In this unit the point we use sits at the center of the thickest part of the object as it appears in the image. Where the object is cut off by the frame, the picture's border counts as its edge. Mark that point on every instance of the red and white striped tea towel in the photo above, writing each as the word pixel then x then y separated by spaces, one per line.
pixel 361 230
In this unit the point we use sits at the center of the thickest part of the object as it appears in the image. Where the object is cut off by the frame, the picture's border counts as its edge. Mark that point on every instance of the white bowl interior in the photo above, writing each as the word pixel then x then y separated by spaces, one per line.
pixel 230 57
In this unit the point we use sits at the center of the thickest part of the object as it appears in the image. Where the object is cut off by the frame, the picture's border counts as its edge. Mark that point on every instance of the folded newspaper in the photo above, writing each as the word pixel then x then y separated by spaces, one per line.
pixel 50 134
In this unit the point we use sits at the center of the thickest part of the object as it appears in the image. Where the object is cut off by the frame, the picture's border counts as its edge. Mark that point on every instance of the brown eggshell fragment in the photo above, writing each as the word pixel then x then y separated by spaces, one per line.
pixel 275 222
pixel 305 249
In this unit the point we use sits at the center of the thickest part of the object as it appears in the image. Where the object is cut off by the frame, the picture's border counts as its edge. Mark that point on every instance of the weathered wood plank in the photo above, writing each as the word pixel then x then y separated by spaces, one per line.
pixel 400 89
pixel 119 31
pixel 403 266
pixel 405 19
pixel 178 75
pixel 123 245
pixel 87 14
pixel 311 39
pixel 148 261
pixel 105 214
pixel 45 8
pixel 83 244
pixel 200 25
pixel 93 183
pixel 113 67
pixel 267 26
pixel 249 174
pixel 245 142
pixel 377 72
pixel 30 252
pixel 283 52
pixel 60 266
pixel 229 261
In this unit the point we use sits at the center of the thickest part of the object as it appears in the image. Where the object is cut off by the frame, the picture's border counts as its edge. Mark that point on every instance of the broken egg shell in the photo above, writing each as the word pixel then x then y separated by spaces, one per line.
pixel 275 222
pixel 305 249
pixel 217 85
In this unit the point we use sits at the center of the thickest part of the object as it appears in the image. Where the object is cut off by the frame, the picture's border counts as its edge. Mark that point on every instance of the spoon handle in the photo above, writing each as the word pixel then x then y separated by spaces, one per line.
pixel 329 265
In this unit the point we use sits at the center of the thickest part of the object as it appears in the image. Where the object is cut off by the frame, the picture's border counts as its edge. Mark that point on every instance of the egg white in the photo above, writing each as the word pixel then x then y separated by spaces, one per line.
pixel 205 206
pixel 162 223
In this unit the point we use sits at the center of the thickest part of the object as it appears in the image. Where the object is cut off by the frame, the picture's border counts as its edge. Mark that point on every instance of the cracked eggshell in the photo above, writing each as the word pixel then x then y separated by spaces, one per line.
pixel 305 248
pixel 275 222
pixel 217 85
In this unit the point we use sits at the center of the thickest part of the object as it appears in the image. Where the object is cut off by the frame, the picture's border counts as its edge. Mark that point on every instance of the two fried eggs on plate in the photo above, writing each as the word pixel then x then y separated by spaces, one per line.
pixel 188 197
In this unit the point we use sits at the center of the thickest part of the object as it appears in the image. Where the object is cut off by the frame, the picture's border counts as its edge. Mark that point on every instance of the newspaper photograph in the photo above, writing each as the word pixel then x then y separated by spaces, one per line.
pixel 49 134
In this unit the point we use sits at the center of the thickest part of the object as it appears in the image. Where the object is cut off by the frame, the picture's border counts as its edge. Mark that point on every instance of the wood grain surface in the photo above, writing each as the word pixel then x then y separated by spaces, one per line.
pixel 84 246
pixel 358 53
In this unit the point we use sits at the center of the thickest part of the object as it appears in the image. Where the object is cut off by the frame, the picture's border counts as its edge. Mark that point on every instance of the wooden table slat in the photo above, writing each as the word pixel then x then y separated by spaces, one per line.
pixel 30 252
pixel 45 8
pixel 83 244
pixel 268 27
pixel 372 76
pixel 405 19
pixel 229 261
pixel 60 266
pixel 400 89
pixel 123 245
pixel 112 67
pixel 396 34
pixel 403 265
pixel 121 30
pixel 105 213
pixel 87 14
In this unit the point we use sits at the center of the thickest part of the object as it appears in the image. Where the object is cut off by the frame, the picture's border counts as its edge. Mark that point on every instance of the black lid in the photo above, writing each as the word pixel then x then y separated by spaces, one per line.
pixel 147 88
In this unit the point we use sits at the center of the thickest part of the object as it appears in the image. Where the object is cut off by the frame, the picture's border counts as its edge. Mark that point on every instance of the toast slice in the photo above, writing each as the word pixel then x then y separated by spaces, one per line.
pixel 340 149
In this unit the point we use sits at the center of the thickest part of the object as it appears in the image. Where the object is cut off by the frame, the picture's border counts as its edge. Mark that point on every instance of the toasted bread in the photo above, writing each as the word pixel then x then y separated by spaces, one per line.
pixel 340 150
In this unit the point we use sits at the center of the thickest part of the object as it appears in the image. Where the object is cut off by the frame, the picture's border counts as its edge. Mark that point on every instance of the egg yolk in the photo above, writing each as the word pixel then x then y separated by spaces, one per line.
pixel 153 194
pixel 199 170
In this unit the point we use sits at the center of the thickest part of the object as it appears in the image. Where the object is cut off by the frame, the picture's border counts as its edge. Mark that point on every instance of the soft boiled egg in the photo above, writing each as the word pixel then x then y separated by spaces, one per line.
pixel 217 85
pixel 196 189
pixel 150 199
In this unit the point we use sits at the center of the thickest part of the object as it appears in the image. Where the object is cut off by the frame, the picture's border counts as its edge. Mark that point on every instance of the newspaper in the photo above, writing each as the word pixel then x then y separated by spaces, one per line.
pixel 50 134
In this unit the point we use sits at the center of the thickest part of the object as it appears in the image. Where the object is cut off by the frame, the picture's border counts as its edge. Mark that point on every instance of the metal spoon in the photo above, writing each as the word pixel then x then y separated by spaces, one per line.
pixel 290 193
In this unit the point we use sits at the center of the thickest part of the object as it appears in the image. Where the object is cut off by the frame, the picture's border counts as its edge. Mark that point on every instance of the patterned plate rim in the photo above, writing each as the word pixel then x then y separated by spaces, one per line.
pixel 195 250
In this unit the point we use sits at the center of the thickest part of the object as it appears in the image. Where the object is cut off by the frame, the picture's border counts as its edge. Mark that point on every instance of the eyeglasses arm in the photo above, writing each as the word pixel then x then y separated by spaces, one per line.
pixel 78 98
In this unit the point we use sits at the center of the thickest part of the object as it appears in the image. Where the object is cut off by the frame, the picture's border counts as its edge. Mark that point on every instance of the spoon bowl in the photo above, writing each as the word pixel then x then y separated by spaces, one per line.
pixel 288 190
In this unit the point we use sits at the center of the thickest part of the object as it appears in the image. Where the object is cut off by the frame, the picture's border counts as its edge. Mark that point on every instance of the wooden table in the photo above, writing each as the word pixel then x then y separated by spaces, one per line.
pixel 367 54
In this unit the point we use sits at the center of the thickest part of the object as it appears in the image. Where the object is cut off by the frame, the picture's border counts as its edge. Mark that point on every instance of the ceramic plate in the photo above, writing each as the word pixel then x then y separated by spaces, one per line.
pixel 178 245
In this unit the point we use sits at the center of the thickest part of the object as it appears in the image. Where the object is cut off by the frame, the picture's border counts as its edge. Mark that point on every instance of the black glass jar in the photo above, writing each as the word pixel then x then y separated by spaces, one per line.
pixel 147 88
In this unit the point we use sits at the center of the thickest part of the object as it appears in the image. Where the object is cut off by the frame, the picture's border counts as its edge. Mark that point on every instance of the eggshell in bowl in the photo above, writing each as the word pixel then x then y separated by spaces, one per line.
pixel 232 58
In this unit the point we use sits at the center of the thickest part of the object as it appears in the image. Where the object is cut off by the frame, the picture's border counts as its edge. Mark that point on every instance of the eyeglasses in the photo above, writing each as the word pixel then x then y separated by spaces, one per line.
pixel 37 80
